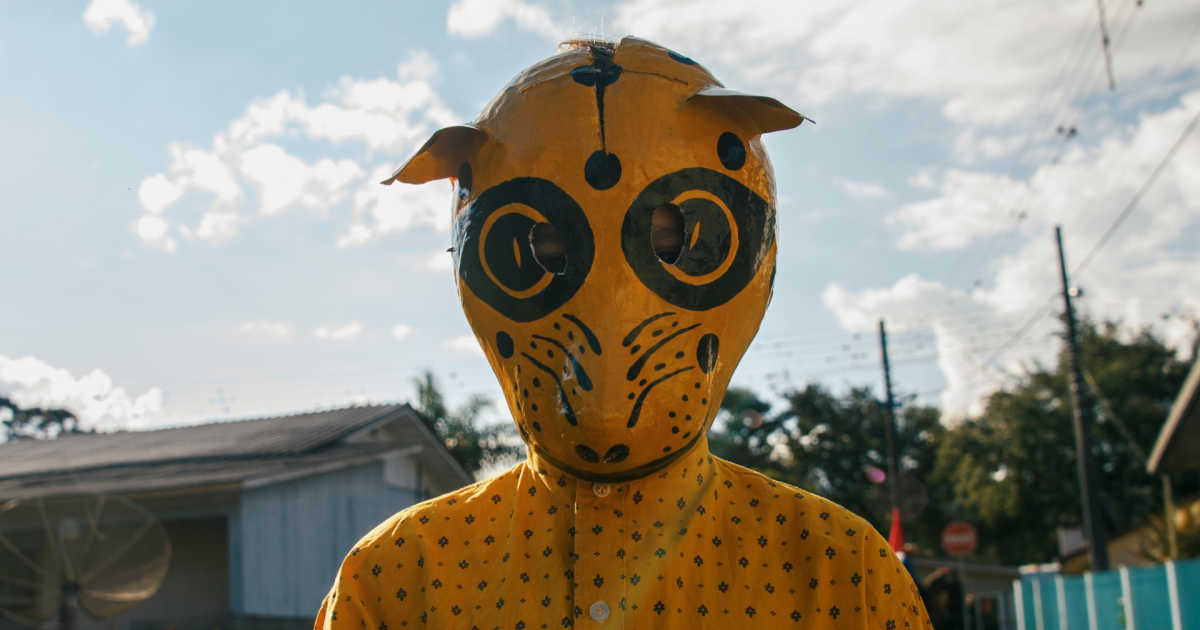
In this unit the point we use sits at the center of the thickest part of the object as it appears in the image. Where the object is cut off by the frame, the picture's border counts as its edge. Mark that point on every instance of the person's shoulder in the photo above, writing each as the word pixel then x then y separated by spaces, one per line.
pixel 791 501
pixel 426 523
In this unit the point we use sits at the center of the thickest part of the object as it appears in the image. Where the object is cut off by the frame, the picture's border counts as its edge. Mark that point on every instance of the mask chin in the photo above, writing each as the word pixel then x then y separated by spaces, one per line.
pixel 621 473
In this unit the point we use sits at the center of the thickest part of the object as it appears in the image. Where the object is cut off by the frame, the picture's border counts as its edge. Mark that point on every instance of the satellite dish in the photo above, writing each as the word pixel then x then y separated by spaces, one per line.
pixel 58 555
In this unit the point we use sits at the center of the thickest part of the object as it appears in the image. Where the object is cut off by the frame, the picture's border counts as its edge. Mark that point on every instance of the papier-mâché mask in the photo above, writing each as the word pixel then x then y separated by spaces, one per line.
pixel 614 241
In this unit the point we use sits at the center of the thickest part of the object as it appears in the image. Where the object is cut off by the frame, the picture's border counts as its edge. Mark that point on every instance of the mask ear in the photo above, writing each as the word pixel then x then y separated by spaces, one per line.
pixel 441 156
pixel 763 113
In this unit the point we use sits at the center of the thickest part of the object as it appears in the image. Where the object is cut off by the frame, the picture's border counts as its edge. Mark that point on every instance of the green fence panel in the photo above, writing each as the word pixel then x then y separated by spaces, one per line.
pixel 1151 604
pixel 1110 610
pixel 1187 574
pixel 1075 594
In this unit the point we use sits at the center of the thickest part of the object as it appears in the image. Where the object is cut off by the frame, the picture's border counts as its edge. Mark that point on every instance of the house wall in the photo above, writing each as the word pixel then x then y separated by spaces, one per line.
pixel 288 539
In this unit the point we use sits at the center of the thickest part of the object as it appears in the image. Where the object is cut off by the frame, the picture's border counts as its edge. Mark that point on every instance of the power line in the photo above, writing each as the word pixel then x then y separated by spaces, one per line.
pixel 1133 202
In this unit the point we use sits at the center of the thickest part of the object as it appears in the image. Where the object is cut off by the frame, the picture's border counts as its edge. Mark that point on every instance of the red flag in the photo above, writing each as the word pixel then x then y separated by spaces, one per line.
pixel 896 535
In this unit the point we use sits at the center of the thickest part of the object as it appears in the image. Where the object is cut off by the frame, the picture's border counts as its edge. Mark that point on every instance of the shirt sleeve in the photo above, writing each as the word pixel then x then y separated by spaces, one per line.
pixel 891 597
pixel 346 606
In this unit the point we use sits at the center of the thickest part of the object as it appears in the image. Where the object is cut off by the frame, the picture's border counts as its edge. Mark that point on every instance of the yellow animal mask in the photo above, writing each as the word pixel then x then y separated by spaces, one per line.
pixel 614 241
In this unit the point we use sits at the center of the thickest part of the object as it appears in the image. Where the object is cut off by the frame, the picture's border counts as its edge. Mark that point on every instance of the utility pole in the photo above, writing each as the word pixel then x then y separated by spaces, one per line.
pixel 893 472
pixel 1093 526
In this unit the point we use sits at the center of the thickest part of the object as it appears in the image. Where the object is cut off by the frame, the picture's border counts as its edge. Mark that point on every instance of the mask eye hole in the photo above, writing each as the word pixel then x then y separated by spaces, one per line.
pixel 666 233
pixel 548 249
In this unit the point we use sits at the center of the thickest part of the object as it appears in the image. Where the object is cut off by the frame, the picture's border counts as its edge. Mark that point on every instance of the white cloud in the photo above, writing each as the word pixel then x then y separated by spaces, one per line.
pixel 267 328
pixel 100 15
pixel 153 230
pixel 862 190
pixel 970 205
pixel 1145 271
pixel 345 332
pixel 465 343
pixel 996 71
pixel 216 226
pixel 391 117
pixel 157 192
pixel 400 332
pixel 380 210
pixel 441 260
pixel 284 180
pixel 476 18
pixel 93 398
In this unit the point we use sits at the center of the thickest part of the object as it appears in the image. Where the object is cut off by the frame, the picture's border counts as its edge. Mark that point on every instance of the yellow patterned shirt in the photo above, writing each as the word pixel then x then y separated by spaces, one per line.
pixel 702 543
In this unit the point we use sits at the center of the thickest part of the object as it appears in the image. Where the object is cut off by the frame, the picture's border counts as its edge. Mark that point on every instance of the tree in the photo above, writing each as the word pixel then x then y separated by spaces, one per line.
pixel 1012 470
pixel 36 423
pixel 826 443
pixel 474 447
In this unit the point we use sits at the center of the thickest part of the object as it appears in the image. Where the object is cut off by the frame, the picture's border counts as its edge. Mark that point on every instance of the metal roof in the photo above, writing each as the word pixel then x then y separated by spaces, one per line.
pixel 1178 445
pixel 215 453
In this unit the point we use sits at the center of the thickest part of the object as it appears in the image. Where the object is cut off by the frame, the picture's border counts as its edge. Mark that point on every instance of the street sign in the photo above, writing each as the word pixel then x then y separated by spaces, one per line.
pixel 959 539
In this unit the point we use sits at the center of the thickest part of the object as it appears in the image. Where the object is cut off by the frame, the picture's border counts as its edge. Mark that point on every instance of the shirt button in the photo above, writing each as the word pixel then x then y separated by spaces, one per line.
pixel 598 611
pixel 601 489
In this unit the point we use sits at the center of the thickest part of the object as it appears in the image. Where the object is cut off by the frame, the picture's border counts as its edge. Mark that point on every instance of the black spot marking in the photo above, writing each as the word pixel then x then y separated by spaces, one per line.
pixel 593 342
pixel 587 454
pixel 616 454
pixel 504 344
pixel 584 380
pixel 706 352
pixel 602 170
pixel 638 329
pixel 731 151
pixel 565 404
pixel 637 405
pixel 641 361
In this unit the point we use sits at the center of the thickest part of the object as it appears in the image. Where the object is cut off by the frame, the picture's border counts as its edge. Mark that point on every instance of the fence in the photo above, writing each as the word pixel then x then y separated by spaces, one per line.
pixel 1162 597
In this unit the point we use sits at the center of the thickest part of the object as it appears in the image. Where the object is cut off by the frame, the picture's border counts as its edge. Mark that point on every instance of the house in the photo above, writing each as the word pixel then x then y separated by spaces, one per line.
pixel 259 513
pixel 1177 448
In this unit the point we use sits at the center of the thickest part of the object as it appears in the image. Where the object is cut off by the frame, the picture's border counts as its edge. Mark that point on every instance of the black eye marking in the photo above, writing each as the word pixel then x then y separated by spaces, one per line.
pixel 504 344
pixel 618 453
pixel 731 151
pixel 641 361
pixel 637 330
pixel 464 181
pixel 565 404
pixel 593 342
pixel 706 352
pixel 709 234
pixel 641 398
pixel 587 454
pixel 602 169
pixel 506 274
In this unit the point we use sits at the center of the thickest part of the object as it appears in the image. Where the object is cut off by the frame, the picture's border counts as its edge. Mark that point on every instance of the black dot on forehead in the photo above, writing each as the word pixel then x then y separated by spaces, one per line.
pixel 731 151
pixel 602 170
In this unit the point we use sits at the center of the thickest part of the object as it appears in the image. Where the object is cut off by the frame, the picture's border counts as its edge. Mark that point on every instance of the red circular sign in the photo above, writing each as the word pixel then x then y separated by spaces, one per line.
pixel 959 539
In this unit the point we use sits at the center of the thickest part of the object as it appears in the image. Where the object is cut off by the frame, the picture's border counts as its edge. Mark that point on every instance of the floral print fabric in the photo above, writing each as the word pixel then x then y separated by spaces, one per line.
pixel 703 543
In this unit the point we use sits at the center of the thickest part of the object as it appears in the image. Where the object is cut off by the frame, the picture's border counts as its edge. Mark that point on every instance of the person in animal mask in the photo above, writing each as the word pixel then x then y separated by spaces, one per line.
pixel 614 242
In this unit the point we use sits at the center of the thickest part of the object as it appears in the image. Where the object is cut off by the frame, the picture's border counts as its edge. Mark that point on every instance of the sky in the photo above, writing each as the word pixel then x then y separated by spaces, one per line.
pixel 194 229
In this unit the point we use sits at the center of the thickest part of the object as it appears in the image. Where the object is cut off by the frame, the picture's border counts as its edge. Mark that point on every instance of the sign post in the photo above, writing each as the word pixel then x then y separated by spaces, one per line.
pixel 960 540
